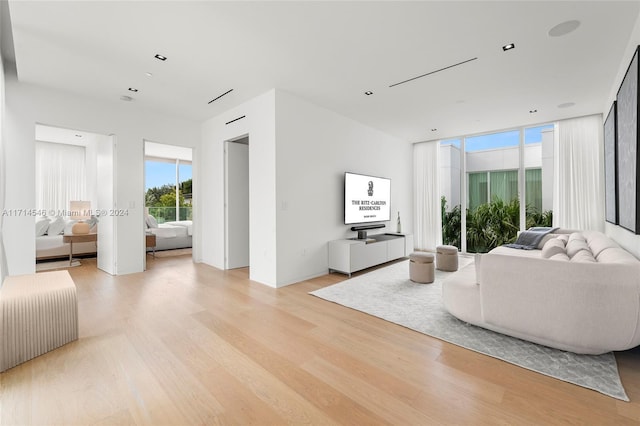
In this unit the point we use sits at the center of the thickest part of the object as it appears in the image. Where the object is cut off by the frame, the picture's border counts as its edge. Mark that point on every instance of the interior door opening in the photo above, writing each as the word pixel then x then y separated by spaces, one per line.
pixel 168 181
pixel 74 168
pixel 237 228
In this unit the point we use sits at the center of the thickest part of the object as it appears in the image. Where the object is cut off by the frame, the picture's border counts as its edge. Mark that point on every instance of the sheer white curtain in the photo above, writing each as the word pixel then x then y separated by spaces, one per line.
pixel 579 184
pixel 427 214
pixel 60 175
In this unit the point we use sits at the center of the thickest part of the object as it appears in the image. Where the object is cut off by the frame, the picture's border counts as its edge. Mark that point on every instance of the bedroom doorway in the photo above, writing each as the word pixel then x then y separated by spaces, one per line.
pixel 74 168
pixel 168 183
pixel 236 173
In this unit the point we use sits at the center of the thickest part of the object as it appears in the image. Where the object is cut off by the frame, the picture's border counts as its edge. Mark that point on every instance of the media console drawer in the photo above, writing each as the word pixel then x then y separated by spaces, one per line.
pixel 351 255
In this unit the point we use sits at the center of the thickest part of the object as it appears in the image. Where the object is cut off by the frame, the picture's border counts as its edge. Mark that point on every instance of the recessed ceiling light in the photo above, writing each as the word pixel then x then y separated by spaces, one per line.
pixel 368 93
pixel 508 46
pixel 434 129
pixel 132 89
pixel 533 111
pixel 78 135
pixel 564 28
pixel 148 74
pixel 126 98
pixel 566 105
pixel 162 58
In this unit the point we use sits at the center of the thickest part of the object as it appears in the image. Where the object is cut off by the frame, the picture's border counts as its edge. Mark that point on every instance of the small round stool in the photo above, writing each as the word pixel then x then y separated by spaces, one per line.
pixel 447 258
pixel 421 267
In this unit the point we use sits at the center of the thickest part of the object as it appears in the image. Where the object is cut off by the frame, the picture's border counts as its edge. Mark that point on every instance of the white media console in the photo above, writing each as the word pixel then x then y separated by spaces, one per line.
pixel 351 255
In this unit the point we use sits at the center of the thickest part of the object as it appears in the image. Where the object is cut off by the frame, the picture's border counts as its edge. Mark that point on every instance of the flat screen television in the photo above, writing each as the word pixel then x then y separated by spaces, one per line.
pixel 366 199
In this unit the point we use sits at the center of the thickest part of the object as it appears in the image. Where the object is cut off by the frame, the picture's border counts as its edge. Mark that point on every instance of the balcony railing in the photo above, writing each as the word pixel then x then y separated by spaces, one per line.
pixel 168 214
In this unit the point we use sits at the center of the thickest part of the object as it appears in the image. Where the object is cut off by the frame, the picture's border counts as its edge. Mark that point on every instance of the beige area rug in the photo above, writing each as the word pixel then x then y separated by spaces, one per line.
pixel 56 264
pixel 388 293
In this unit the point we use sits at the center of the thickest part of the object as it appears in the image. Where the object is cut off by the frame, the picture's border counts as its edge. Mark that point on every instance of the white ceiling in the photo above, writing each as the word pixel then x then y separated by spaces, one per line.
pixel 330 53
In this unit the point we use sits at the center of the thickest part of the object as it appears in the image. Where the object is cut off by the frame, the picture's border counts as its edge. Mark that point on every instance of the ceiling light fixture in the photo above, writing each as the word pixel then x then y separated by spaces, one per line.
pixel 368 93
pixel 132 89
pixel 433 72
pixel 148 74
pixel 78 135
pixel 216 98
pixel 564 28
pixel 508 47
pixel 234 120
pixel 433 130
pixel 533 111
pixel 160 57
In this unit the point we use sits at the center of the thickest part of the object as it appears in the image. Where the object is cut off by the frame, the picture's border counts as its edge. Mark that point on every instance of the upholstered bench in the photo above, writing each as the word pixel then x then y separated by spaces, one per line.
pixel 38 313
pixel 421 267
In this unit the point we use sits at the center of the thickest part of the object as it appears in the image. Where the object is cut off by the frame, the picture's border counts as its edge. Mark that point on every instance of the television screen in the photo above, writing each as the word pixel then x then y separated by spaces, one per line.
pixel 366 199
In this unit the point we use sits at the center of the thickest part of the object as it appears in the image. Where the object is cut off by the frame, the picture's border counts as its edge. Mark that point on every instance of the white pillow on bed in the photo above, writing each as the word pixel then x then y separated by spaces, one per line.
pixel 41 226
pixel 56 226
pixel 68 226
pixel 151 221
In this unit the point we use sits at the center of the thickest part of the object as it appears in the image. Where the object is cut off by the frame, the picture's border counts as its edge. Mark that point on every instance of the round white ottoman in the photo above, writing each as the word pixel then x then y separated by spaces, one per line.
pixel 421 267
pixel 447 258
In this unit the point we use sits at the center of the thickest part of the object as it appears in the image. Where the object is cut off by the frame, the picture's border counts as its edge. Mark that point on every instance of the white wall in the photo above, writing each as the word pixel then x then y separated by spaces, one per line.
pixel 27 105
pixel 504 158
pixel 626 239
pixel 259 125
pixel 298 153
pixel 3 267
pixel 314 147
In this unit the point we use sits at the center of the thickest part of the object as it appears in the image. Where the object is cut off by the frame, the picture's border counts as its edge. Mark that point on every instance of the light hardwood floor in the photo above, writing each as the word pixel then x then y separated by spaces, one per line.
pixel 186 343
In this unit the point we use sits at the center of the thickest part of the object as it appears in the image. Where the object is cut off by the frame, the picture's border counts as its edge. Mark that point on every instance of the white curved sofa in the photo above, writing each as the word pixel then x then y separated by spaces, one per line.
pixel 580 293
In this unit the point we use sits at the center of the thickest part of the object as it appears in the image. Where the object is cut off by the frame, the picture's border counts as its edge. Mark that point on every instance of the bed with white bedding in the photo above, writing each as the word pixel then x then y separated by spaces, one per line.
pixel 171 235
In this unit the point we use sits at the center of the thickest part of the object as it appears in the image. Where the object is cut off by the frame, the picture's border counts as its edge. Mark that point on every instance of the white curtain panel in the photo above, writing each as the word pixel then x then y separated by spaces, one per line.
pixel 60 176
pixel 579 186
pixel 427 214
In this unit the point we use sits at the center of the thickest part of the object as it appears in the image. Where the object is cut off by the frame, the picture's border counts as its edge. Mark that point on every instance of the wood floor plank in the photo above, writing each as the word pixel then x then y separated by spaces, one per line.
pixel 318 393
pixel 185 343
pixel 372 397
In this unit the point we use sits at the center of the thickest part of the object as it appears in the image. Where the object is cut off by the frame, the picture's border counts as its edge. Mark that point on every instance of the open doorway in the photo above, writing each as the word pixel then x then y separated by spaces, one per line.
pixel 74 185
pixel 237 203
pixel 168 199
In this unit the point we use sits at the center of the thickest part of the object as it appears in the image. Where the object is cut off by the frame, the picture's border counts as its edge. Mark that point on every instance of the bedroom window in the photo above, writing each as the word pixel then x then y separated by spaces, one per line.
pixel 60 176
pixel 168 192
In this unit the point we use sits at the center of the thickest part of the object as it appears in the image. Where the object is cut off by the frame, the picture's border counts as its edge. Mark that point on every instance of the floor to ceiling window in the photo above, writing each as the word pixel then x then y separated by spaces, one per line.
pixel 481 175
pixel 450 167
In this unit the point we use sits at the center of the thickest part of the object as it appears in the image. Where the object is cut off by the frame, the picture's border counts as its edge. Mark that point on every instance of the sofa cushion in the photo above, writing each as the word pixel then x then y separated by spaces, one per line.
pixel 576 245
pixel 583 256
pixel 577 236
pixel 478 263
pixel 560 256
pixel 564 238
pixel 616 255
pixel 597 242
pixel 552 247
